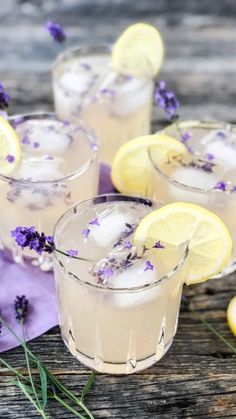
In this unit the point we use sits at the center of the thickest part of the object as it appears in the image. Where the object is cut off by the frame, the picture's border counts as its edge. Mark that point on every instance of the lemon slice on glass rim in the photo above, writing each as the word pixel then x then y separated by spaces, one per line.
pixel 203 233
pixel 132 167
pixel 10 148
pixel 138 52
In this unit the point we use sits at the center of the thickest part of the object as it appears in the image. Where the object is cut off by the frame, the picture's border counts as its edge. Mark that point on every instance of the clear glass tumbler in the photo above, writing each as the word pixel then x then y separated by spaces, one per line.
pixel 58 167
pixel 118 108
pixel 213 149
pixel 127 323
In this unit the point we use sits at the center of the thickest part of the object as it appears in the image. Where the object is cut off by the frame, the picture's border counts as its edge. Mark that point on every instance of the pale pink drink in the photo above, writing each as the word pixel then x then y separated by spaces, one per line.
pixel 118 311
pixel 58 167
pixel 207 176
pixel 117 107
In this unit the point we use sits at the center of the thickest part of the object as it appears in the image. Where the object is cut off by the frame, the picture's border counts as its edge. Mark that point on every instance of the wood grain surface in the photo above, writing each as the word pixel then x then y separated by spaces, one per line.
pixel 197 378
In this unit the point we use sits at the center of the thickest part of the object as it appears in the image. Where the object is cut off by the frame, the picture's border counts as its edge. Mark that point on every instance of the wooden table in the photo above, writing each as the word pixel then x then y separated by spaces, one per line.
pixel 197 378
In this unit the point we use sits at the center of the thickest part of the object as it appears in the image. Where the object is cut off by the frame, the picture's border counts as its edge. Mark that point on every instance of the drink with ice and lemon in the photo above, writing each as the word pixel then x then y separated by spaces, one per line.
pixel 112 92
pixel 118 309
pixel 192 162
pixel 49 166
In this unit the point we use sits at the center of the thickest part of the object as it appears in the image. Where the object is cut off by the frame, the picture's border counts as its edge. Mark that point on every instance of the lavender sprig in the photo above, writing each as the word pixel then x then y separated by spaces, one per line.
pixel 167 100
pixel 56 31
pixel 34 392
pixel 39 242
pixel 4 98
pixel 21 308
pixel 29 237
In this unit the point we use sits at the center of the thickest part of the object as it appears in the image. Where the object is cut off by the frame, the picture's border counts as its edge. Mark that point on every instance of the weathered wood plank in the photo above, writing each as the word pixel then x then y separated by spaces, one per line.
pixel 197 378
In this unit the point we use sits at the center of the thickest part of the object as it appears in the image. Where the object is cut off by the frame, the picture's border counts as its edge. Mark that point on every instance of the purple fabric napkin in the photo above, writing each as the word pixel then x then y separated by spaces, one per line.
pixel 38 287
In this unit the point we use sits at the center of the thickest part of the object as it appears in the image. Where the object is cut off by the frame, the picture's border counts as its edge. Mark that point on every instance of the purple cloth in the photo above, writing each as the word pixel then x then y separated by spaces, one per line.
pixel 37 286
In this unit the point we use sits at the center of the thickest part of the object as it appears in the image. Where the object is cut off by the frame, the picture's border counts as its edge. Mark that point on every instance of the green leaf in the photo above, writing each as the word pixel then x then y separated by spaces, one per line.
pixel 44 383
pixel 88 385
pixel 27 387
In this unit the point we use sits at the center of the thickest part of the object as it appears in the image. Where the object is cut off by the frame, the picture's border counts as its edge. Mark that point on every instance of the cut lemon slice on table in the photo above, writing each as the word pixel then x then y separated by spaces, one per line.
pixel 10 149
pixel 231 315
pixel 183 224
pixel 138 51
pixel 132 166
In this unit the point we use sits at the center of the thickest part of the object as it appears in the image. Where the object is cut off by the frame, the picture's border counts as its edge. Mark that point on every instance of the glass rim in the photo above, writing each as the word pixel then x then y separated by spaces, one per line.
pixel 80 48
pixel 84 49
pixel 52 115
pixel 193 124
pixel 113 197
pixel 73 52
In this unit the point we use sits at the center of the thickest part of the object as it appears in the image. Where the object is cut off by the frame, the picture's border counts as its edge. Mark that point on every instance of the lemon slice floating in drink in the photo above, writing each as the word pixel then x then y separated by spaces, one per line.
pixel 138 51
pixel 10 149
pixel 231 315
pixel 188 225
pixel 132 166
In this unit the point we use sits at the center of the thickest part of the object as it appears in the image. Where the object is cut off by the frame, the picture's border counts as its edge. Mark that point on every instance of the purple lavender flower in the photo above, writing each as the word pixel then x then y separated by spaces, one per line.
pixel 25 140
pixel 186 136
pixel 21 308
pixel 72 253
pixel 233 189
pixel 221 134
pixel 47 157
pixel 56 31
pixel 10 158
pixel 36 144
pixel 210 156
pixel 0 324
pixel 148 266
pixel 104 274
pixel 4 98
pixel 85 232
pixel 85 66
pixel 94 222
pixel 190 149
pixel 166 99
pixel 127 244
pixel 108 92
pixel 220 186
pixel 29 237
pixel 158 245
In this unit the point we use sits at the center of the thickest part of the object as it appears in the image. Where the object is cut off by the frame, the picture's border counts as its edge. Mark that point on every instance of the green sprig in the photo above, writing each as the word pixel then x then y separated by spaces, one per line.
pixel 37 392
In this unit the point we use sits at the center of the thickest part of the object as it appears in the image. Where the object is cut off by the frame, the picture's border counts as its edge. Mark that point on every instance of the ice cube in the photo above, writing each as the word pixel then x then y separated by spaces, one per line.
pixel 110 228
pixel 192 177
pixel 39 169
pixel 48 136
pixel 130 94
pixel 135 276
pixel 222 151
pixel 77 82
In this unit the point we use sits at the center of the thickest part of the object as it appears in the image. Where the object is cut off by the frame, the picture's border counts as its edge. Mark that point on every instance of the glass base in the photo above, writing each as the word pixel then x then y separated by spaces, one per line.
pixel 129 367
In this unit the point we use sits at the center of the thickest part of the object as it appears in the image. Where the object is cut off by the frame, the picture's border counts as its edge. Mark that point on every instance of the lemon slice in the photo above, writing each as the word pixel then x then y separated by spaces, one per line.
pixel 184 224
pixel 138 51
pixel 132 168
pixel 9 146
pixel 231 315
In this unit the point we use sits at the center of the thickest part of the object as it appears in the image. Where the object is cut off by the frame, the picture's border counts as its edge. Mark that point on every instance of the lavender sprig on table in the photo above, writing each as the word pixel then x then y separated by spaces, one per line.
pixel 48 386
pixel 21 308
